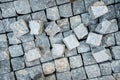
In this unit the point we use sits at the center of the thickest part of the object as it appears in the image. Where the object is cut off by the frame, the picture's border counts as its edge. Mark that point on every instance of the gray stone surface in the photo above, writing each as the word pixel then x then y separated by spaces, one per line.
pixel 50 77
pixel 78 7
pixel 58 50
pixel 53 13
pixel 80 31
pixel 75 61
pixel 17 63
pixel 63 24
pixel 36 27
pixel 48 68
pixel 8 9
pixel 62 65
pixel 65 10
pixel 8 76
pixel 63 76
pixel 110 77
pixel 16 50
pixel 117 37
pixel 117 76
pixel 28 45
pixel 32 63
pixel 117 9
pixel 62 1
pixel 4 54
pixel 115 65
pixel 25 17
pixel 67 33
pixel 108 1
pixel 83 47
pixel 78 74
pixel 52 29
pixel 115 51
pixel 93 71
pixel 22 6
pixel 94 39
pixel 72 52
pixel 2 29
pixel 3 41
pixel 19 28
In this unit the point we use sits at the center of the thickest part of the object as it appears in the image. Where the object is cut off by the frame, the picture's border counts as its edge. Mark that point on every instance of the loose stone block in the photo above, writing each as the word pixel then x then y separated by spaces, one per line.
pixel 32 63
pixel 16 50
pixel 48 68
pixel 50 77
pixel 58 50
pixel 63 24
pixel 23 7
pixel 7 22
pixel 80 31
pixel 115 52
pixel 53 13
pixel 4 54
pixel 83 47
pixel 63 76
pixel 65 10
pixel 19 28
pixel 93 71
pixel 78 7
pixel 100 54
pixel 62 65
pixel 117 37
pixel 39 16
pixel 69 53
pixel 8 9
pixel 2 29
pixel 75 21
pixel 18 63
pixel 100 7
pixel 115 65
pixel 52 29
pixel 28 45
pixel 78 74
pixel 33 54
pixel 105 68
pixel 103 26
pixel 88 58
pixel 7 76
pixel 36 27
pixel 94 39
pixel 62 1
pixel 108 40
pixel 71 42
pixel 22 75
pixel 113 27
pixel 5 67
pixel 75 61
pixel 3 41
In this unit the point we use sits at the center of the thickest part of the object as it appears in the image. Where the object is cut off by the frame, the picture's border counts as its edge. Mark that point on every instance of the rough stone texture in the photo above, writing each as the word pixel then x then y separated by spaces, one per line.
pixel 62 65
pixel 83 47
pixel 50 77
pixel 65 10
pixel 67 33
pixel 3 41
pixel 88 58
pixel 100 54
pixel 36 27
pixel 18 63
pixel 52 29
pixel 63 24
pixel 5 67
pixel 117 9
pixel 71 42
pixel 71 52
pixel 78 7
pixel 75 61
pixel 100 7
pixel 4 54
pixel 110 77
pixel 94 39
pixel 53 13
pixel 8 76
pixel 115 51
pixel 19 28
pixel 103 26
pixel 39 16
pixel 64 76
pixel 115 65
pixel 80 31
pixel 28 45
pixel 93 71
pixel 32 63
pixel 117 39
pixel 2 29
pixel 117 76
pixel 22 6
pixel 58 50
pixel 78 74
pixel 105 68
pixel 25 17
pixel 75 21
pixel 108 1
pixel 62 1
pixel 16 50
pixel 48 68
pixel 8 9
pixel 33 54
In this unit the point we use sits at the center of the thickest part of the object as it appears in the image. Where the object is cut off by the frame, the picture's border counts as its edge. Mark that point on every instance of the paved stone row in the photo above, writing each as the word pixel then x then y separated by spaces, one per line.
pixel 59 40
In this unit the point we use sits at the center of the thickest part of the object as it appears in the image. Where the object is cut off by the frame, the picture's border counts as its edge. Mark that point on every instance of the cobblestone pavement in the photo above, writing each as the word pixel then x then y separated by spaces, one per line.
pixel 59 40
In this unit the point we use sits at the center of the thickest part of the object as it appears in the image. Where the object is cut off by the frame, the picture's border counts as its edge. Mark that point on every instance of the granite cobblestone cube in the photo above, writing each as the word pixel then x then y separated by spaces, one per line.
pixel 4 54
pixel 115 51
pixel 25 17
pixel 117 39
pixel 7 76
pixel 32 63
pixel 71 52
pixel 28 45
pixel 62 1
pixel 3 41
pixel 2 29
pixel 115 66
